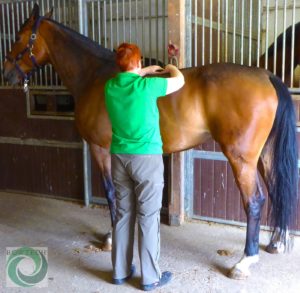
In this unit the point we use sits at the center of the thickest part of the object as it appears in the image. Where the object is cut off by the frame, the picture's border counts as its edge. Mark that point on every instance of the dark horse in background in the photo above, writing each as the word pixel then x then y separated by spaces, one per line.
pixel 286 73
pixel 247 110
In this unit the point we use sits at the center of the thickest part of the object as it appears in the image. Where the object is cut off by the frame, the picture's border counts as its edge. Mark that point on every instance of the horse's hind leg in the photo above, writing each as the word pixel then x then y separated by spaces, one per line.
pixel 245 172
pixel 102 158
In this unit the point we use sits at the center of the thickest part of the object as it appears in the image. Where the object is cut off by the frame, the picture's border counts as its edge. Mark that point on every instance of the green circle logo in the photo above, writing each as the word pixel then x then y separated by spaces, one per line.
pixel 17 261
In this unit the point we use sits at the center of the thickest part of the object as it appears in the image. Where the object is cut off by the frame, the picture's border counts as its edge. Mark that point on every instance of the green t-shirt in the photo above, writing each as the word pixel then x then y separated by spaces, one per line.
pixel 131 104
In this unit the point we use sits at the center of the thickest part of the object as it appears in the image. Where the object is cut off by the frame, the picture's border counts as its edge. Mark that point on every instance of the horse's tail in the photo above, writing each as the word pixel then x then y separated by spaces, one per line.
pixel 282 179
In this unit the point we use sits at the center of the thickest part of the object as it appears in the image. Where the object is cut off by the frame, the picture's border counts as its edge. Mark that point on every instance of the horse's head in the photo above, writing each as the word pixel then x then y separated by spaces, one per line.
pixel 29 50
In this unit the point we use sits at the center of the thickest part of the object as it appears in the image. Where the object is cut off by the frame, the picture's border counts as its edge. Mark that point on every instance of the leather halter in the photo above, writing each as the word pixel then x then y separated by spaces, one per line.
pixel 28 48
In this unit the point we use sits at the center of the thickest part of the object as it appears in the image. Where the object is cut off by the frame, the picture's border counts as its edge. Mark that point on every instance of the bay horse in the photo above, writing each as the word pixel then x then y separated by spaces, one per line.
pixel 286 73
pixel 247 110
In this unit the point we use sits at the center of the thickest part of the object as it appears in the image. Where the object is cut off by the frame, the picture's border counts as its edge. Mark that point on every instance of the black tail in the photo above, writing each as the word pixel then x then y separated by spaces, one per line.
pixel 283 177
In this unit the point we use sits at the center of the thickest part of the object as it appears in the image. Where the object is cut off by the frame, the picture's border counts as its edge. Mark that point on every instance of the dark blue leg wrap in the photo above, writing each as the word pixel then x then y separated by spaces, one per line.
pixel 253 224
pixel 110 196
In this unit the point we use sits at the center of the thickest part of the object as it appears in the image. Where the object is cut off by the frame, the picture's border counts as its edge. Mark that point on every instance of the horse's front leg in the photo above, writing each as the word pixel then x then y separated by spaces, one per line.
pixel 102 157
pixel 253 200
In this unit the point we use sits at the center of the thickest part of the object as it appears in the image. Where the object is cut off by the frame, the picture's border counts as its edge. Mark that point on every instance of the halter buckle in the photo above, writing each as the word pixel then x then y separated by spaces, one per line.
pixel 33 37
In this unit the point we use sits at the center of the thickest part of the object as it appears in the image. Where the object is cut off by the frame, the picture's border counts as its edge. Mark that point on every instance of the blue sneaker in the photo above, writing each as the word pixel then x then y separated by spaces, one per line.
pixel 165 278
pixel 122 281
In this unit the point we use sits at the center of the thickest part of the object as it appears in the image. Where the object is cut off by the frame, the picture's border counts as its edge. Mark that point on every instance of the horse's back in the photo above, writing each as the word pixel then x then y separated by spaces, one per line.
pixel 226 101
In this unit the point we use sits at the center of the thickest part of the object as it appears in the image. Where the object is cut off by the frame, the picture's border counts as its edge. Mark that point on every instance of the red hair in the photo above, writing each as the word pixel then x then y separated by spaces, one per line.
pixel 128 56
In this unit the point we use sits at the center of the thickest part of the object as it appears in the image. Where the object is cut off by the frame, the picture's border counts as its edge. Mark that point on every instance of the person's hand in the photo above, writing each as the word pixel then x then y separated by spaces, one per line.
pixel 153 69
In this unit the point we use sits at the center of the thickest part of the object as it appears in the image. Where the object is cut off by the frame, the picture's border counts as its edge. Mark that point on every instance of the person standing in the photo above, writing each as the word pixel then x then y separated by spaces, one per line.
pixel 137 165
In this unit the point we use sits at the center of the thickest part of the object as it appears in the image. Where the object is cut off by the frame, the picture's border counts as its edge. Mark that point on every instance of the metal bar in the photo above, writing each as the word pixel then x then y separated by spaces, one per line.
pixel 284 42
pixel 59 20
pixel 219 32
pixel 210 31
pixel 189 183
pixel 111 26
pixel 99 21
pixel 150 31
pixel 2 36
pixel 87 174
pixel 136 22
pixel 157 32
pixel 93 20
pixel 18 15
pixel 234 32
pixel 8 26
pixel 293 44
pixel 65 12
pixel 124 22
pixel 104 24
pixel 82 16
pixel 4 32
pixel 143 31
pixel 164 47
pixel 250 34
pixel 208 155
pixel 275 38
pixel 196 34
pixel 203 32
pixel 51 69
pixel 13 22
pixel 258 34
pixel 188 34
pixel 130 21
pixel 226 30
pixel 117 22
pixel 242 32
pixel 267 35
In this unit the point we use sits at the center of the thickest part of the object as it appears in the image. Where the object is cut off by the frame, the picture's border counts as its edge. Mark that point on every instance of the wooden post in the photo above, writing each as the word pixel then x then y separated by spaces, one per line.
pixel 176 25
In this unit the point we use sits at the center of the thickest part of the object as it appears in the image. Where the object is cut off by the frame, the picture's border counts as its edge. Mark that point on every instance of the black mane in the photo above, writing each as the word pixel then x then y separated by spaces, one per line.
pixel 93 47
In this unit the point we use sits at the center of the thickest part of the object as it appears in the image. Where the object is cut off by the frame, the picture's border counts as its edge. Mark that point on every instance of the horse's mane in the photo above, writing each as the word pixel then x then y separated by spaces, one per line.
pixel 93 47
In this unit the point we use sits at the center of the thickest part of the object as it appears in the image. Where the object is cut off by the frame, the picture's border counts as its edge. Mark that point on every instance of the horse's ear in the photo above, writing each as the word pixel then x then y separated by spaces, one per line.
pixel 35 13
pixel 49 14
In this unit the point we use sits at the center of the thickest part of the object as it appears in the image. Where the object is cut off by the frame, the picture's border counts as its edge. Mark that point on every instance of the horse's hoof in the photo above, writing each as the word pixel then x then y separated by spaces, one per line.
pixel 271 248
pixel 106 247
pixel 237 274
pixel 275 248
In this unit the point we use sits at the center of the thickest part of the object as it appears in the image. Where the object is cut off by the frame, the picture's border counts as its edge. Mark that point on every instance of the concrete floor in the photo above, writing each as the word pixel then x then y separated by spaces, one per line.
pixel 189 251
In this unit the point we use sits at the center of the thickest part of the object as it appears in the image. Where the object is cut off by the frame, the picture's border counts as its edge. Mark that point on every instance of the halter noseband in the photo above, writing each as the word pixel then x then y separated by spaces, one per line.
pixel 29 48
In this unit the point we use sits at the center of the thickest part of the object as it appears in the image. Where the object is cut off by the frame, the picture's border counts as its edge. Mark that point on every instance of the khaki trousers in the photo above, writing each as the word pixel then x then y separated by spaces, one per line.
pixel 138 181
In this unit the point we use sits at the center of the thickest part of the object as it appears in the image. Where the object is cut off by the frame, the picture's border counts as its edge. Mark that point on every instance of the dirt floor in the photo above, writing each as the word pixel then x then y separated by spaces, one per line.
pixel 199 254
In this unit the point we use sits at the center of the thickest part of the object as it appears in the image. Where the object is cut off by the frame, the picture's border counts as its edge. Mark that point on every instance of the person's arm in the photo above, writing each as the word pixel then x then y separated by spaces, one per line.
pixel 176 81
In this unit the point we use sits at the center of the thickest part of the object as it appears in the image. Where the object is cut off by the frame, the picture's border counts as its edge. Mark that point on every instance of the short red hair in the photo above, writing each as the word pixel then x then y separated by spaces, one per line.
pixel 128 56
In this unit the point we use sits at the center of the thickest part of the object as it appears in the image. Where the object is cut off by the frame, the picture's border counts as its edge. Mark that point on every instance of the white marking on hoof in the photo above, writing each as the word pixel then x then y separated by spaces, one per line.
pixel 241 270
pixel 280 243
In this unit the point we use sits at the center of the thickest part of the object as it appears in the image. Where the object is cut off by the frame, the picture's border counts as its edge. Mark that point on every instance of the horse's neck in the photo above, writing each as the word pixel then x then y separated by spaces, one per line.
pixel 76 64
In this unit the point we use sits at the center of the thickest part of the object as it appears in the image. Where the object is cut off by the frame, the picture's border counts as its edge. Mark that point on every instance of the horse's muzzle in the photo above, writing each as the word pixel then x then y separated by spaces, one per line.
pixel 10 73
